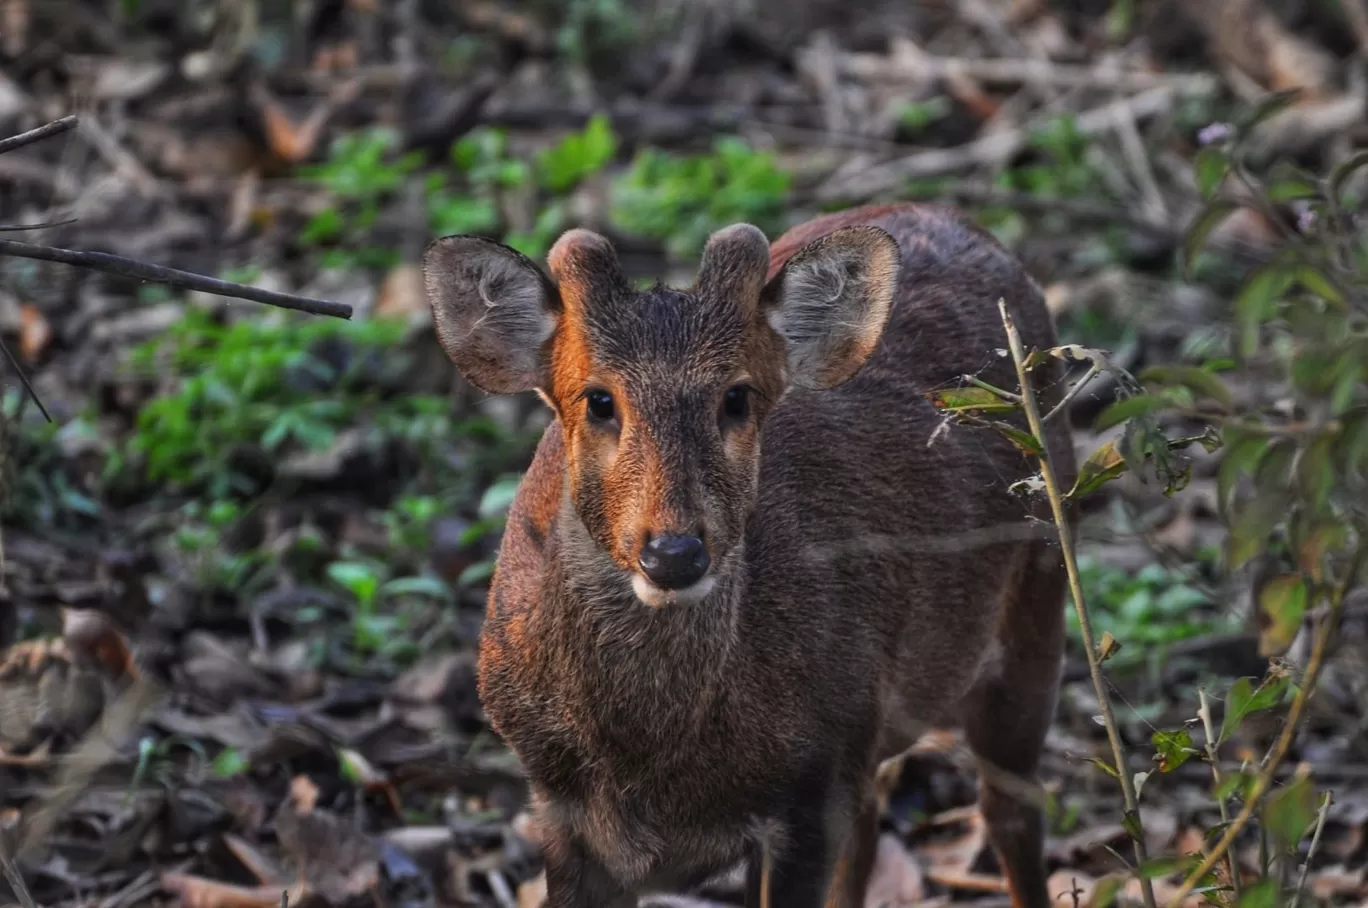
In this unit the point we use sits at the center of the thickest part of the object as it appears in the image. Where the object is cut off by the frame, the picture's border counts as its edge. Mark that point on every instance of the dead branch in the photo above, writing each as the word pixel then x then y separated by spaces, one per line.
pixel 995 149
pixel 38 134
pixel 124 267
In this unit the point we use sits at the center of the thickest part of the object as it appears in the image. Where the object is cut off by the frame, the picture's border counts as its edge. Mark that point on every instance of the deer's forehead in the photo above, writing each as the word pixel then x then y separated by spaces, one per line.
pixel 663 334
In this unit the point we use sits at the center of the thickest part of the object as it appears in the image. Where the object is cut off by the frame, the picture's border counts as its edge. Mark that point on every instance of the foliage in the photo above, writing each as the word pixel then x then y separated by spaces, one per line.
pixel 1147 609
pixel 682 198
pixel 37 489
pixel 263 383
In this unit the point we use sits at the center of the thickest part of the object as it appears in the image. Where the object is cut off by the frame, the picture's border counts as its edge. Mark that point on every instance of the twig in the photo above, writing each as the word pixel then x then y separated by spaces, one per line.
pixel 1204 713
pixel 36 135
pixel 117 264
pixel 6 228
pixel 1324 811
pixel 24 380
pixel 1073 392
pixel 15 878
pixel 1000 392
pixel 908 62
pixel 997 148
pixel 1289 730
pixel 1052 490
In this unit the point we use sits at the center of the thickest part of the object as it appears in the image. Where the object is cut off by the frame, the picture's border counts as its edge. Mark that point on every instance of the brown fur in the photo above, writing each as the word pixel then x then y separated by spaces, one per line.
pixel 870 581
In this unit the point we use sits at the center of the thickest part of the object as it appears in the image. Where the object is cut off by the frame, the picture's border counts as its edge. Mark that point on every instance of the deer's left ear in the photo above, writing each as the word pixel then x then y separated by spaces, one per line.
pixel 831 301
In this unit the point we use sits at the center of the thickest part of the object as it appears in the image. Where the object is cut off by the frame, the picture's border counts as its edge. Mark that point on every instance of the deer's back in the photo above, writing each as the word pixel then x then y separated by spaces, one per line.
pixel 892 535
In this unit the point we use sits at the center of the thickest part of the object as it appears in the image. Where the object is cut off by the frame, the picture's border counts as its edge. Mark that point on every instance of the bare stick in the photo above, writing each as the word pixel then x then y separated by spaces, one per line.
pixel 1279 750
pixel 24 380
pixel 1073 392
pixel 15 879
pixel 1324 811
pixel 37 135
pixel 1204 713
pixel 117 264
pixel 1052 490
pixel 7 228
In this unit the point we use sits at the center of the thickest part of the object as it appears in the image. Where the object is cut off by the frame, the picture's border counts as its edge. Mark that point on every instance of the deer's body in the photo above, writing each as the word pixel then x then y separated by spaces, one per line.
pixel 876 578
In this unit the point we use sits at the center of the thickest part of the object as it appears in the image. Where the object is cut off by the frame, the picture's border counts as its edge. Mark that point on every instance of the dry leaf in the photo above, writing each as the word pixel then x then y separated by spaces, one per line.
pixel 402 294
pixel 897 877
pixel 532 894
pixel 34 332
pixel 198 892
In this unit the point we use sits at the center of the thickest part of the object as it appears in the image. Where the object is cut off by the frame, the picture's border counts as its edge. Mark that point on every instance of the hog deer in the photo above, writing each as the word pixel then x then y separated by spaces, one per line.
pixel 747 562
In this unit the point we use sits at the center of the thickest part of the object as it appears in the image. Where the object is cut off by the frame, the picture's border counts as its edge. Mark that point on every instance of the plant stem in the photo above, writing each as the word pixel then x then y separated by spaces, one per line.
pixel 1289 731
pixel 1204 712
pixel 1052 490
pixel 1324 811
pixel 1073 392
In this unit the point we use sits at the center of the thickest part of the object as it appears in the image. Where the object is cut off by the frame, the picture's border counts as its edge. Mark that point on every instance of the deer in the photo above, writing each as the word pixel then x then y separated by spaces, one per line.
pixel 748 562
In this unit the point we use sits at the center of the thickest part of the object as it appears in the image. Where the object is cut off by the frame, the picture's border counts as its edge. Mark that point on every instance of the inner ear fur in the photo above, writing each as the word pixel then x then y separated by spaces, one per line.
pixel 493 309
pixel 830 303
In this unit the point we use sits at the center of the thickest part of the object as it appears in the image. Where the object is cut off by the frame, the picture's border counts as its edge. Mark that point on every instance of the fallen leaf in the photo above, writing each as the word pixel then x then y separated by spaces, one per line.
pixel 198 892
pixel 896 880
pixel 532 894
pixel 34 332
pixel 402 294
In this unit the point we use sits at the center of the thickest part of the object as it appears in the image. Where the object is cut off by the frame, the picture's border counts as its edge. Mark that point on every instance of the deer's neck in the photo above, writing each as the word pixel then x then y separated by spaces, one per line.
pixel 651 674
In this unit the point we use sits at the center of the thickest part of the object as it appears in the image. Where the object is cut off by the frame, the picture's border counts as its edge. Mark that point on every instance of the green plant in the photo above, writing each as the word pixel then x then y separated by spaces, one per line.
pixel 577 156
pixel 681 199
pixel 38 488
pixel 252 382
pixel 1150 608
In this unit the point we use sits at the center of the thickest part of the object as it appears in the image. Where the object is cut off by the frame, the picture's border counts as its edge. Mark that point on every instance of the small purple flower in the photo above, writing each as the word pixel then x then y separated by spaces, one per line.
pixel 1213 133
pixel 1306 218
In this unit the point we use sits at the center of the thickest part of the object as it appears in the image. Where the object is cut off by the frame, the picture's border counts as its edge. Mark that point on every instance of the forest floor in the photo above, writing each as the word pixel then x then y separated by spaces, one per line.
pixel 270 533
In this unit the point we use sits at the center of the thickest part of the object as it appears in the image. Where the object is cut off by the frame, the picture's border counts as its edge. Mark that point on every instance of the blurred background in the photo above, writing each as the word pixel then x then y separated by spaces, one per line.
pixel 290 520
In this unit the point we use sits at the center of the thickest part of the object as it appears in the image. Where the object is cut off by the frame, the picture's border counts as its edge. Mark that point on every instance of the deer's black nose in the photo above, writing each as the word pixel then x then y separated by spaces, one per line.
pixel 674 562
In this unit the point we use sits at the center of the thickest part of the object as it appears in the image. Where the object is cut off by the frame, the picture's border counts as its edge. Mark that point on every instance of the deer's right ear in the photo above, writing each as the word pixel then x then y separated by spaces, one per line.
pixel 493 309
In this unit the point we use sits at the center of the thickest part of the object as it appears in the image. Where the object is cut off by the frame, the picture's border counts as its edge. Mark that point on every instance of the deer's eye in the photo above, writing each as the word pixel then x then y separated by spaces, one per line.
pixel 736 403
pixel 599 405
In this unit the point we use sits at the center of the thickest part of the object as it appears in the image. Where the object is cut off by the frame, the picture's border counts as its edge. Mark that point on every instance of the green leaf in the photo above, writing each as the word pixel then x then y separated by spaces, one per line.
pixel 1130 821
pixel 1343 171
pixel 1252 526
pixel 1244 699
pixel 499 496
pixel 357 578
pixel 1242 782
pixel 1257 301
pixel 229 763
pixel 1282 605
pixel 1106 890
pixel 1263 894
pixel 1201 228
pixel 1161 866
pixel 1173 748
pixel 417 586
pixel 1316 281
pixel 1129 408
pixel 1102 466
pixel 1211 165
pixel 1025 442
pixel 1195 378
pixel 968 400
pixel 1267 107
pixel 1104 766
pixel 1290 811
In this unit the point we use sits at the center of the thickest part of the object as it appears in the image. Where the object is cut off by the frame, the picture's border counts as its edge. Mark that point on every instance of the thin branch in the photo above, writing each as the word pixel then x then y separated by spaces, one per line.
pixel 6 228
pixel 1289 731
pixel 15 879
pixel 980 383
pixel 36 135
pixel 1204 713
pixel 24 380
pixel 1073 392
pixel 117 264
pixel 1056 497
pixel 1324 812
